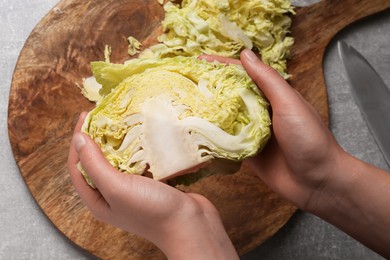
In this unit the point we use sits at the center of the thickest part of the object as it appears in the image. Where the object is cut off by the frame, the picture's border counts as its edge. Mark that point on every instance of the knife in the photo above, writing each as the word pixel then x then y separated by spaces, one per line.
pixel 371 95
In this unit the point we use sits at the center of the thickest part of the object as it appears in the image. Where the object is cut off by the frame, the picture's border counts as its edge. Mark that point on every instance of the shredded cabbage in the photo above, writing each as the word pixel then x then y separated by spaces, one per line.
pixel 225 28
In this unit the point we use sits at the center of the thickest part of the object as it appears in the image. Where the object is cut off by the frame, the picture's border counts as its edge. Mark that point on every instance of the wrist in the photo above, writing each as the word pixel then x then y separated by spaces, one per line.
pixel 354 199
pixel 196 234
pixel 331 196
pixel 336 180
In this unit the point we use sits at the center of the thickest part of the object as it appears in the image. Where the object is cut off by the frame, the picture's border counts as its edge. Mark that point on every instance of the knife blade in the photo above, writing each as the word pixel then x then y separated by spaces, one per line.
pixel 371 95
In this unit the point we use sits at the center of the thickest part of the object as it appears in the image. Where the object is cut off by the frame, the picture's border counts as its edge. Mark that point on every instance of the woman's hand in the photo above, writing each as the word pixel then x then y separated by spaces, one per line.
pixel 303 154
pixel 304 164
pixel 183 226
pixel 299 158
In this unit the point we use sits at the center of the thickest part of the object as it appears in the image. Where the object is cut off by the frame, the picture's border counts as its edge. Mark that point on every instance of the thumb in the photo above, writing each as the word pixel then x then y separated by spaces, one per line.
pixel 271 83
pixel 103 175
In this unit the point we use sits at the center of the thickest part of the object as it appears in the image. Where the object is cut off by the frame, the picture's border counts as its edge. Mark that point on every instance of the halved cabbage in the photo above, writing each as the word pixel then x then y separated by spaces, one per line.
pixel 174 115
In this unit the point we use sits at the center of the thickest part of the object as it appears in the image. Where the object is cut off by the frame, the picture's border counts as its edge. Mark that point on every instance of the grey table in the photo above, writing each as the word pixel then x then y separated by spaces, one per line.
pixel 26 233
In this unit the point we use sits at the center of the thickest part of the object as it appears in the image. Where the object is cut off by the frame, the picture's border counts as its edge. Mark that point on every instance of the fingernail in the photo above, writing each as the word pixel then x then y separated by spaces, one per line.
pixel 78 141
pixel 250 55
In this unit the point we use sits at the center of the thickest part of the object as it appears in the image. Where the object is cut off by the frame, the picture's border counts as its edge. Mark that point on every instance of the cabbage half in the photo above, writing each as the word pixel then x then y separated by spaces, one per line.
pixel 225 28
pixel 174 115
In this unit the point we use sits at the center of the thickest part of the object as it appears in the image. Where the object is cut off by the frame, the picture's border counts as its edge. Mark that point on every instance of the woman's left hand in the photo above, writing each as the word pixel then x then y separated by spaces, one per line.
pixel 182 225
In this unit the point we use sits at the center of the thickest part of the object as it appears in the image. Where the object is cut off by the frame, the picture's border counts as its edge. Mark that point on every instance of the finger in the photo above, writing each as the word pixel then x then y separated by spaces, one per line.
pixel 73 157
pixel 92 198
pixel 310 107
pixel 104 176
pixel 272 84
pixel 211 58
pixel 80 122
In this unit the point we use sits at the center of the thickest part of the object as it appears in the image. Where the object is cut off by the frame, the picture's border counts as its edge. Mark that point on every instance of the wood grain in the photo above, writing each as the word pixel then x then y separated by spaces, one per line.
pixel 44 105
pixel 313 28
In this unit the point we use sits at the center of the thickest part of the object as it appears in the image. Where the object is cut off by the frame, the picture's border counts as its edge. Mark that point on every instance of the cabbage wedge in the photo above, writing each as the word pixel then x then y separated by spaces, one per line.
pixel 172 116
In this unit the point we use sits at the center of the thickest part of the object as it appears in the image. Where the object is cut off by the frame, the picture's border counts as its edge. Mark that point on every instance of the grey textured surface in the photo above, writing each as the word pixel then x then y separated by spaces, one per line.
pixel 26 233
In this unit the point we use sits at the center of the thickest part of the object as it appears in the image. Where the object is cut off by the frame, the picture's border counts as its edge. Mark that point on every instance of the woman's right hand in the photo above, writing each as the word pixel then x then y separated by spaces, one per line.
pixel 304 164
pixel 302 155
pixel 298 160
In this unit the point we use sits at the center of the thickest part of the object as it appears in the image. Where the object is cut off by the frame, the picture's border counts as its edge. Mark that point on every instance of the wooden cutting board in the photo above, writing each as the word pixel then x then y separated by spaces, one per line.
pixel 44 105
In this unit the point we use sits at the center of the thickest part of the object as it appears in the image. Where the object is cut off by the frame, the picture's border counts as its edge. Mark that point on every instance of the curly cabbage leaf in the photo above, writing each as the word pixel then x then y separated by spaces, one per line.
pixel 225 28
pixel 172 116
